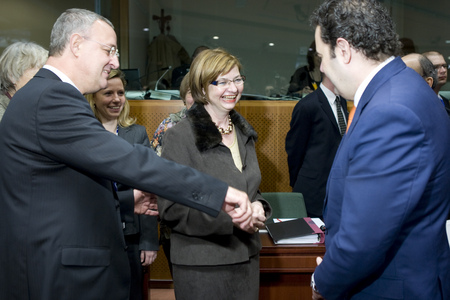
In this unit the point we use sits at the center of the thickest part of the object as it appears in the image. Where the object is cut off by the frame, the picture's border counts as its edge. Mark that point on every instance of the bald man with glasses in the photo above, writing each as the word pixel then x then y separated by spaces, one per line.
pixel 441 67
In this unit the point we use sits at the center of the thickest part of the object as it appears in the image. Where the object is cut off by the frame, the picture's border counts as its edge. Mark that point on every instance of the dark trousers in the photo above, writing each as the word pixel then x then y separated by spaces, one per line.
pixel 136 269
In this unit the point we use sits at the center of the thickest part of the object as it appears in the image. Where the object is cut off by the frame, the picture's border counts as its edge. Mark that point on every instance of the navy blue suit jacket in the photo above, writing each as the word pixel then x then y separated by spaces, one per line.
pixel 388 196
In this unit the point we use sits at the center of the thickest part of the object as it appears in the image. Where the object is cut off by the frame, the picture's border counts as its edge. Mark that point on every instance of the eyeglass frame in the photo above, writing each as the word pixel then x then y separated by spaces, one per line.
pixel 113 51
pixel 228 81
pixel 438 67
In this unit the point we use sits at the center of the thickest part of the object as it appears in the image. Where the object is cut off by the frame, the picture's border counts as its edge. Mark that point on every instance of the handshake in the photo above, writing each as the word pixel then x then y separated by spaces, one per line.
pixel 247 216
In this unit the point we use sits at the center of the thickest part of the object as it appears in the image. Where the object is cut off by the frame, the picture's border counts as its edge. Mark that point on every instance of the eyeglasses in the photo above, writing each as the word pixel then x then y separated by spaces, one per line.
pixel 438 67
pixel 113 51
pixel 222 83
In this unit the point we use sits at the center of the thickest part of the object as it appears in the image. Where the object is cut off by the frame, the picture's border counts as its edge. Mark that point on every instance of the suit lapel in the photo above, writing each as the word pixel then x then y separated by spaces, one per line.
pixel 325 105
pixel 380 78
pixel 388 71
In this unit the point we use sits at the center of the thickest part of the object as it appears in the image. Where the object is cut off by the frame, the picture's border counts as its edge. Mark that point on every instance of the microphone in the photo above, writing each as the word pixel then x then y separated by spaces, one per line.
pixel 159 79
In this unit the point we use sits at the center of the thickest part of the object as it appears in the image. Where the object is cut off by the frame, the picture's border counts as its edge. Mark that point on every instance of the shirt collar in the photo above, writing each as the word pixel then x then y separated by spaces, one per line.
pixel 60 74
pixel 362 87
pixel 329 94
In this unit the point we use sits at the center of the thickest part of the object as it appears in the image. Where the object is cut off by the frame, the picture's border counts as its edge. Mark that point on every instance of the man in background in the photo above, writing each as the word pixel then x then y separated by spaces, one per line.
pixel 179 72
pixel 441 67
pixel 318 123
pixel 423 66
pixel 388 193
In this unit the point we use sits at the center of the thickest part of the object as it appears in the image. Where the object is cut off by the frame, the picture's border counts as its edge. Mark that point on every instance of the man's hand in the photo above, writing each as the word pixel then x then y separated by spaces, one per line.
pixel 145 203
pixel 148 257
pixel 238 206
pixel 316 295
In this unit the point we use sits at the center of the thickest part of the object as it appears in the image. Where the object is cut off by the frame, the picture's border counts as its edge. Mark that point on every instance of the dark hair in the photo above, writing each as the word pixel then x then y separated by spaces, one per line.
pixel 365 24
pixel 428 69
pixel 310 56
pixel 198 50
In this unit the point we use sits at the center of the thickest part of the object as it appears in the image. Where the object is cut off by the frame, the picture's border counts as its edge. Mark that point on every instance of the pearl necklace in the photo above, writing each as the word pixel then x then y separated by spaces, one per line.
pixel 229 129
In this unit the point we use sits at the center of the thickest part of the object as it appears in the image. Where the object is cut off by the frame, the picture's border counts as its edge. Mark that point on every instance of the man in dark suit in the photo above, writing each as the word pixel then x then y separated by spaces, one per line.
pixel 388 193
pixel 441 67
pixel 312 142
pixel 423 66
pixel 61 235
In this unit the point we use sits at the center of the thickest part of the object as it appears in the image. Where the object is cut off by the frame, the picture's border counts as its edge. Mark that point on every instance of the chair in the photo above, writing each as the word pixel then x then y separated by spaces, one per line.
pixel 285 205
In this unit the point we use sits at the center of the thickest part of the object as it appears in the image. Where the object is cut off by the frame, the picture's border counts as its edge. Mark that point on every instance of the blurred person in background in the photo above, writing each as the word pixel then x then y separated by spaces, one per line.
pixel 18 64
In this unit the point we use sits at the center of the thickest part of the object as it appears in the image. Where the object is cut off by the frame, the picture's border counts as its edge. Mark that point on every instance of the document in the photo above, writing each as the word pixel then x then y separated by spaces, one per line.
pixel 296 231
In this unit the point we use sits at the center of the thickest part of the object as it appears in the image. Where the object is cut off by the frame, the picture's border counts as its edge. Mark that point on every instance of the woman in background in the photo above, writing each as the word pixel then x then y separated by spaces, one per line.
pixel 112 109
pixel 173 119
pixel 18 64
pixel 211 257
pixel 156 144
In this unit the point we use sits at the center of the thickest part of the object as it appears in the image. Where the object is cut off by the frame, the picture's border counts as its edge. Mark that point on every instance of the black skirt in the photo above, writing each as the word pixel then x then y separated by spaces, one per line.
pixel 223 282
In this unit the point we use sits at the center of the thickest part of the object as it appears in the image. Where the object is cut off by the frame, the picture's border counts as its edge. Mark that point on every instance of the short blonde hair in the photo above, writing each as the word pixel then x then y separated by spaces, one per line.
pixel 205 68
pixel 124 119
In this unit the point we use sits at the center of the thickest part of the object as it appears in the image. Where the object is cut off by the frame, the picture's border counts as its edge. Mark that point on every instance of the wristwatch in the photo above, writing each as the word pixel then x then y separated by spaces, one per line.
pixel 313 284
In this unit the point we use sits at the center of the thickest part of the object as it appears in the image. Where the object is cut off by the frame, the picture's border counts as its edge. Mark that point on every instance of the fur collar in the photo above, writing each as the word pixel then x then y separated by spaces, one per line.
pixel 205 132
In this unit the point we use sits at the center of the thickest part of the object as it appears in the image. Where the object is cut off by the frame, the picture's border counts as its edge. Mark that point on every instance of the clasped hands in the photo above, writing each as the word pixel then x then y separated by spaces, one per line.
pixel 247 216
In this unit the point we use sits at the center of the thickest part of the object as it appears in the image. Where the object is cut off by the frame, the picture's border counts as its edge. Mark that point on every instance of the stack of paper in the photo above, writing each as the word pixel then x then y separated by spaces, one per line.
pixel 296 231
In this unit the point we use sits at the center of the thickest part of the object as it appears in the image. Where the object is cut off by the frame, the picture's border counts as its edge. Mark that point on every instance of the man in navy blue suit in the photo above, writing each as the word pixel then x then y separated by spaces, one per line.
pixel 388 193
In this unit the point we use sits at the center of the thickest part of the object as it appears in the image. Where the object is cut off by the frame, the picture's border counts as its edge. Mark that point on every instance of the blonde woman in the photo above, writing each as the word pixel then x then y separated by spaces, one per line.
pixel 112 109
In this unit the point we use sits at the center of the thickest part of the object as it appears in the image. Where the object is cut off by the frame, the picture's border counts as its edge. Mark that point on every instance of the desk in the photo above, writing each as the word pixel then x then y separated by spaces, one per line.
pixel 285 270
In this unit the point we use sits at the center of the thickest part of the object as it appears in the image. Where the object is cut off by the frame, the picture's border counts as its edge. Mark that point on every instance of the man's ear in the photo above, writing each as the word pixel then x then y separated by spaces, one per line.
pixel 429 80
pixel 75 43
pixel 343 50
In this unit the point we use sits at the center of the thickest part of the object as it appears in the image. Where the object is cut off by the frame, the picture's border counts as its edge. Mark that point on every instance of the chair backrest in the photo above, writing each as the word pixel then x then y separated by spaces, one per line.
pixel 285 205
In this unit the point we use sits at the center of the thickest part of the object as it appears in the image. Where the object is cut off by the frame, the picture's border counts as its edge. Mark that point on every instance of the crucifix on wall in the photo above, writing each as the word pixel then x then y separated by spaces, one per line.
pixel 162 20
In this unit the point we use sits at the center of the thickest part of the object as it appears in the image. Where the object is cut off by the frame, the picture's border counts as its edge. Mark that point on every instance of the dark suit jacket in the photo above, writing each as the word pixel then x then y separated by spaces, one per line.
pixel 446 104
pixel 311 145
pixel 388 196
pixel 61 237
pixel 145 226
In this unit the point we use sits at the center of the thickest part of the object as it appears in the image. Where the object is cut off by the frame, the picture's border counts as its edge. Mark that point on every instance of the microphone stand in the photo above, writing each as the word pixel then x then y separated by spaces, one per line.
pixel 159 79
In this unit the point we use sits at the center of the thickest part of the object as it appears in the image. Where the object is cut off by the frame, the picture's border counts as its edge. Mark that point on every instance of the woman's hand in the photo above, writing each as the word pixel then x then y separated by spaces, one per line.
pixel 258 216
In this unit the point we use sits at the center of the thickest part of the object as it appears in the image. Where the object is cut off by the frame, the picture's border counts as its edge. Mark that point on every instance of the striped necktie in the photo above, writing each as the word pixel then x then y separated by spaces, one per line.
pixel 340 116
